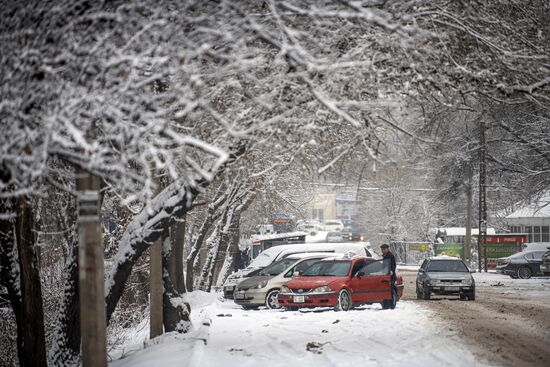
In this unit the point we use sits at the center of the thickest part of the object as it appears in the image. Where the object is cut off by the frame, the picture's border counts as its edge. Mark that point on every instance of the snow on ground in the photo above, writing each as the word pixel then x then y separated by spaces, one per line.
pixel 368 336
pixel 535 287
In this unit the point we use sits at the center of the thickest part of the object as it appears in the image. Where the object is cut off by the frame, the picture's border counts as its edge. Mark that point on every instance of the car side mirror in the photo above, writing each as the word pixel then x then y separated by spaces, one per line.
pixel 421 271
pixel 360 274
pixel 296 274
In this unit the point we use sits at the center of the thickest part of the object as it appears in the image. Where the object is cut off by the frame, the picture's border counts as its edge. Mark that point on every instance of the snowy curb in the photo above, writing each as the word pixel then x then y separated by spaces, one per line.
pixel 201 339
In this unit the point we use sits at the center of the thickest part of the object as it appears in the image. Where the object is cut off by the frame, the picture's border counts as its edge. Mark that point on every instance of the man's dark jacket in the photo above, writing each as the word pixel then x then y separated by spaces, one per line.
pixel 393 265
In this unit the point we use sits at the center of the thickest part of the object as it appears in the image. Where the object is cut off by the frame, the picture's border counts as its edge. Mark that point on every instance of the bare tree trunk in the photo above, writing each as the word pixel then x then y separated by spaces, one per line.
pixel 33 346
pixel 9 269
pixel 176 312
pixel 65 350
pixel 230 242
pixel 211 215
pixel 171 203
pixel 468 240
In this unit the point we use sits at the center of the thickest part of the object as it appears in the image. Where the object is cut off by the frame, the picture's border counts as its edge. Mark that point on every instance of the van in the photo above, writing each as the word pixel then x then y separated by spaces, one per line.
pixel 275 253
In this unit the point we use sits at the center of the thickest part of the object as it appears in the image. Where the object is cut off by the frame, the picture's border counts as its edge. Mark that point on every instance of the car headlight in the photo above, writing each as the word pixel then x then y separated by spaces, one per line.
pixel 323 289
pixel 285 289
pixel 428 281
pixel 468 281
pixel 262 284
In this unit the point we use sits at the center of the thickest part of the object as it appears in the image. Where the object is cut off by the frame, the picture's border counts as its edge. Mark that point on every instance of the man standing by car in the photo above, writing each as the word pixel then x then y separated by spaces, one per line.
pixel 388 256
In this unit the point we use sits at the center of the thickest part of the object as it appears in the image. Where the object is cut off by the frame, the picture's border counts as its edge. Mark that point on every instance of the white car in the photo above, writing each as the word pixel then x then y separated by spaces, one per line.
pixel 333 225
pixel 335 237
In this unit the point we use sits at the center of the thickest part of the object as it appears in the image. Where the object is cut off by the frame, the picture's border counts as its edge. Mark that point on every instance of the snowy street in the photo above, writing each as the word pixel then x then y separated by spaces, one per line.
pixel 507 325
pixel 367 336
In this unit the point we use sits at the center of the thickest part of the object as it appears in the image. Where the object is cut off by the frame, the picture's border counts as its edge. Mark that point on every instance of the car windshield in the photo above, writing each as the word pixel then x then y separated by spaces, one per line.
pixel 278 267
pixel 329 268
pixel 451 266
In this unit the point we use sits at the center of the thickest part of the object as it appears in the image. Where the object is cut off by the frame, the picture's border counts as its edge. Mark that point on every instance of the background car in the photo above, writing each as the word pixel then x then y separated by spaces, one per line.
pixel 342 283
pixel 522 265
pixel 545 266
pixel 333 225
pixel 445 275
pixel 263 289
pixel 334 237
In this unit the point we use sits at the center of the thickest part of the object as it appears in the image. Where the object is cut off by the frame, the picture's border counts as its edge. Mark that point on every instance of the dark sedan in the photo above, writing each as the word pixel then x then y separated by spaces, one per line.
pixel 522 265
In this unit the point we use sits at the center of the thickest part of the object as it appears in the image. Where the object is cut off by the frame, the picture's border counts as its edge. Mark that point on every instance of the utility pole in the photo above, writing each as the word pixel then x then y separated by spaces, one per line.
pixel 91 272
pixel 468 240
pixel 482 196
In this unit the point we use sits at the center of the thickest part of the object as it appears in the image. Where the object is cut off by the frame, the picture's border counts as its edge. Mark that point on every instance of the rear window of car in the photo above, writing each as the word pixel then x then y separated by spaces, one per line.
pixel 453 266
pixel 329 268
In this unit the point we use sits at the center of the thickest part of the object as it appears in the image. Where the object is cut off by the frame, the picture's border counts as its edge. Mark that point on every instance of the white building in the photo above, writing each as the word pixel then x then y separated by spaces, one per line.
pixel 533 219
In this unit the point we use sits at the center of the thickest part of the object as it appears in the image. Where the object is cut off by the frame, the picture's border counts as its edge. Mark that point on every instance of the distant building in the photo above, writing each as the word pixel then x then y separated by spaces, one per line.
pixel 533 220
pixel 458 234
pixel 324 207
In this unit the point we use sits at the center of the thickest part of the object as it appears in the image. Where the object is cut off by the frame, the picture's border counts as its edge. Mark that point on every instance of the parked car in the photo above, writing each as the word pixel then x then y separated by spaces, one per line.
pixel 334 237
pixel 522 265
pixel 263 289
pixel 275 253
pixel 353 234
pixel 333 225
pixel 545 266
pixel 342 283
pixel 445 275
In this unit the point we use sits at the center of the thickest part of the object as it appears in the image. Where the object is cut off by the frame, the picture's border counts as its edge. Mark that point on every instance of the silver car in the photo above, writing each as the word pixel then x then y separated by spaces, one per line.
pixel 445 275
pixel 263 289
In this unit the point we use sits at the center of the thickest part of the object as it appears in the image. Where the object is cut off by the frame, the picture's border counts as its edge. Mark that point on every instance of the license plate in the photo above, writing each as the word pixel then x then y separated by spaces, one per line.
pixel 299 299
pixel 450 288
pixel 229 288
pixel 239 295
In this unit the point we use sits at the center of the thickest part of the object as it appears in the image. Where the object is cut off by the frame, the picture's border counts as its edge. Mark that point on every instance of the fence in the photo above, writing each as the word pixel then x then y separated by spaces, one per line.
pixel 411 253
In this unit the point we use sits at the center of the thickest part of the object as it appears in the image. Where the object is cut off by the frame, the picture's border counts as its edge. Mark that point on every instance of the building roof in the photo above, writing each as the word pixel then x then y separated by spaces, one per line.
pixel 539 209
pixel 461 231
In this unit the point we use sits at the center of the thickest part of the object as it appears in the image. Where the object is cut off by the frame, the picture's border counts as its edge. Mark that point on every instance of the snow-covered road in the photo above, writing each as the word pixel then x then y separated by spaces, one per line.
pixel 368 337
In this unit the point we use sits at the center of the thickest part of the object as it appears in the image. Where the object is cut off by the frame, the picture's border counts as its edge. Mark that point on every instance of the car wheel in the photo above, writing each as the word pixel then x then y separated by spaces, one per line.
pixel 463 297
pixel 344 301
pixel 272 299
pixel 426 294
pixel 472 296
pixel 524 272
pixel 418 294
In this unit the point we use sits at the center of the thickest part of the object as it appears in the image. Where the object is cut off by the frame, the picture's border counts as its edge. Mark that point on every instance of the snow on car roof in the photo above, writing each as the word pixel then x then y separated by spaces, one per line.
pixel 444 257
pixel 302 255
pixel 276 236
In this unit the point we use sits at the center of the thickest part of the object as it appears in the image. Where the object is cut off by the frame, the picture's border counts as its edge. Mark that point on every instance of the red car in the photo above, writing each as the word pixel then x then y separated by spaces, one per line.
pixel 342 283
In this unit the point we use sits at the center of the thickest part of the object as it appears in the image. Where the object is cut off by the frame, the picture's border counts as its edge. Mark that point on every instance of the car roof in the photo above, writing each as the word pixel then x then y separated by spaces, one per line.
pixel 342 258
pixel 444 257
pixel 306 255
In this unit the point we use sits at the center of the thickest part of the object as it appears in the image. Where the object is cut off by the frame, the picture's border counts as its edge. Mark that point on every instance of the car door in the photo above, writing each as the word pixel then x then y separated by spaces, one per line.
pixel 357 285
pixel 375 281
